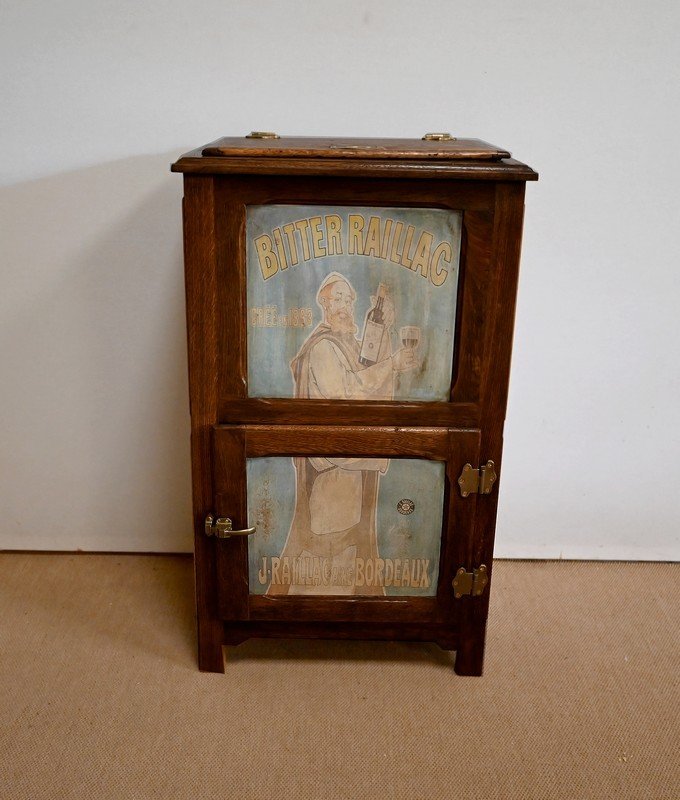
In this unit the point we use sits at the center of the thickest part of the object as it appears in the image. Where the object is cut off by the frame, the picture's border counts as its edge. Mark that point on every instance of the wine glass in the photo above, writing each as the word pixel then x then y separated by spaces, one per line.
pixel 410 336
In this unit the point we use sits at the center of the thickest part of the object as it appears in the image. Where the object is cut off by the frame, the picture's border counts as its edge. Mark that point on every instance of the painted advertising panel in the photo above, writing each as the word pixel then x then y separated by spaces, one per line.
pixel 345 526
pixel 352 303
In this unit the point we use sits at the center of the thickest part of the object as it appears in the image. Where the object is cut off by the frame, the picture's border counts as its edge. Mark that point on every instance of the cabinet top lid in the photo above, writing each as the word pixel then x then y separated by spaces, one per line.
pixel 435 155
pixel 433 146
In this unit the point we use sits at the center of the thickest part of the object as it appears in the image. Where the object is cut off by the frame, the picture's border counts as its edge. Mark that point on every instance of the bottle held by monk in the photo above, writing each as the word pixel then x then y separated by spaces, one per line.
pixel 374 330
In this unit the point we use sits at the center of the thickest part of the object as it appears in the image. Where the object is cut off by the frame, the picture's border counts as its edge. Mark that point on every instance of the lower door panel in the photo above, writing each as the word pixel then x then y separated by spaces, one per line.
pixel 352 524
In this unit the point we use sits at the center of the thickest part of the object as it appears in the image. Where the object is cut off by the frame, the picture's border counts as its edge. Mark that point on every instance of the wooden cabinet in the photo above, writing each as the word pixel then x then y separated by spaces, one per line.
pixel 350 309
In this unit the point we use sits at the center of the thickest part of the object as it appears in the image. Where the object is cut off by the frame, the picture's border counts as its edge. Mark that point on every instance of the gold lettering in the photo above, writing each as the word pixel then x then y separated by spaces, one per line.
pixel 386 238
pixel 405 260
pixel 317 237
pixel 356 238
pixel 395 255
pixel 369 572
pixel 269 263
pixel 280 250
pixel 302 226
pixel 421 257
pixel 285 571
pixel 262 574
pixel 437 275
pixel 289 230
pixel 275 569
pixel 372 243
pixel 333 227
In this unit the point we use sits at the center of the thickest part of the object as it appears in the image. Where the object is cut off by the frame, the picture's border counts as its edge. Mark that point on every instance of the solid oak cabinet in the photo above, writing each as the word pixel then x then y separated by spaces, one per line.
pixel 350 309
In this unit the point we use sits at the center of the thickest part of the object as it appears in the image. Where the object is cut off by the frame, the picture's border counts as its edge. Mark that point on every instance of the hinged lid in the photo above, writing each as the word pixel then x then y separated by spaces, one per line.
pixel 432 146
pixel 435 155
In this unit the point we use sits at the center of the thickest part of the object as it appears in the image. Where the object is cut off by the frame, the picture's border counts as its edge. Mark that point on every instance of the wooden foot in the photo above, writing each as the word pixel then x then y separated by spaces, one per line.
pixel 470 658
pixel 210 638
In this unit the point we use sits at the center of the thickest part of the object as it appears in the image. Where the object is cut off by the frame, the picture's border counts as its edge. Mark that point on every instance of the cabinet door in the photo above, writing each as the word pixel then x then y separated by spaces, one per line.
pixel 352 523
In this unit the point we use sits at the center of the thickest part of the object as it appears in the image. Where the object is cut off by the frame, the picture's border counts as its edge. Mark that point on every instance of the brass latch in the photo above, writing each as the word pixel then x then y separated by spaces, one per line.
pixel 477 480
pixel 221 528
pixel 472 583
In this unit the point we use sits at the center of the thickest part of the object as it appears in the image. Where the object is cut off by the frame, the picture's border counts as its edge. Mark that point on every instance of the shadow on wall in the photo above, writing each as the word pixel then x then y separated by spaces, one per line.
pixel 92 328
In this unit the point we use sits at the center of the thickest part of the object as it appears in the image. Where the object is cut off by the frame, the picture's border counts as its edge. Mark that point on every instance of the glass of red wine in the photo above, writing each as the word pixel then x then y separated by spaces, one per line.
pixel 410 336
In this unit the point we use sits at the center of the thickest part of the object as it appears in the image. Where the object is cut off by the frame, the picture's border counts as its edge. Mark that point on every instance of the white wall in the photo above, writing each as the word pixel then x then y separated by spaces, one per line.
pixel 98 98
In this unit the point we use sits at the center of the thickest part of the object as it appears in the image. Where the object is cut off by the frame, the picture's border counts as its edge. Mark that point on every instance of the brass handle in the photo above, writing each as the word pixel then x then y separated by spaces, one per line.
pixel 221 528
pixel 439 137
pixel 262 135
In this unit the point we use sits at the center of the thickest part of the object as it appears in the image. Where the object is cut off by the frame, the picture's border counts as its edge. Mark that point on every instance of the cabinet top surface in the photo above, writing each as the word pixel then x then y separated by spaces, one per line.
pixel 437 153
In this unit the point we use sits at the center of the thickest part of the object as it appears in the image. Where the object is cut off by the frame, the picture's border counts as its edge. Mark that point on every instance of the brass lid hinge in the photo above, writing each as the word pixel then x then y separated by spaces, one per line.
pixel 478 481
pixel 472 583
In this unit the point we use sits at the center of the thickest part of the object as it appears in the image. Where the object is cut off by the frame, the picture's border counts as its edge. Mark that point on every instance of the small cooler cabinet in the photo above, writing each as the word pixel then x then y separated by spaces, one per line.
pixel 350 307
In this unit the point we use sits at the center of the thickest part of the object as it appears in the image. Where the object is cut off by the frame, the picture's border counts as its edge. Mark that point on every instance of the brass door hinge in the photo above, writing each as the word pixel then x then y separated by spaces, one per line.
pixel 472 583
pixel 477 480
pixel 221 528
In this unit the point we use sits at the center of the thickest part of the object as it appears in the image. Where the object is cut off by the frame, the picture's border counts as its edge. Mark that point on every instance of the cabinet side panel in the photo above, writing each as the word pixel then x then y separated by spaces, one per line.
pixel 507 234
pixel 507 238
pixel 199 263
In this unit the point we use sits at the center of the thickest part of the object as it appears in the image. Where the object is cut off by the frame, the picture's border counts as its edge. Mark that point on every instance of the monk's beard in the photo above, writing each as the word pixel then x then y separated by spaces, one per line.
pixel 342 322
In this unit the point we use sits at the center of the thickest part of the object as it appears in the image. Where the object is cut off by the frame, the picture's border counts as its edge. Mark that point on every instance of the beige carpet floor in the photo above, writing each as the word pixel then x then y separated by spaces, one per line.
pixel 100 696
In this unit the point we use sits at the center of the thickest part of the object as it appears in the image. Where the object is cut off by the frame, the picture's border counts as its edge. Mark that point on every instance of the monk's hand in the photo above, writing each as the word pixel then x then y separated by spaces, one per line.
pixel 387 309
pixel 404 360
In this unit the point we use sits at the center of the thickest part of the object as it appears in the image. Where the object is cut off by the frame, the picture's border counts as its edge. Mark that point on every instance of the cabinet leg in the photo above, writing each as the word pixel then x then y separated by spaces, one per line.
pixel 470 658
pixel 210 639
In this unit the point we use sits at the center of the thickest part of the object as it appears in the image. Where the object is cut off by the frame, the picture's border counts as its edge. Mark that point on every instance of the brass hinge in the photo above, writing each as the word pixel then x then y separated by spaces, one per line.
pixel 221 528
pixel 472 583
pixel 262 135
pixel 439 137
pixel 477 480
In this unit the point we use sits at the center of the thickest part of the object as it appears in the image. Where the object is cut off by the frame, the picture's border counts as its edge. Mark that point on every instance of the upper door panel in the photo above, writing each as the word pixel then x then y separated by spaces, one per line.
pixel 351 302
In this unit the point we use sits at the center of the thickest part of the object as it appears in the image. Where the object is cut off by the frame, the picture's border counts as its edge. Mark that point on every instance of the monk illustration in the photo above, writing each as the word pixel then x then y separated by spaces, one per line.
pixel 334 522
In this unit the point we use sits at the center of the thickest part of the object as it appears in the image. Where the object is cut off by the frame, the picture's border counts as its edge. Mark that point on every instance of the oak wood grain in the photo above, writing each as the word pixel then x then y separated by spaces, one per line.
pixel 365 441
